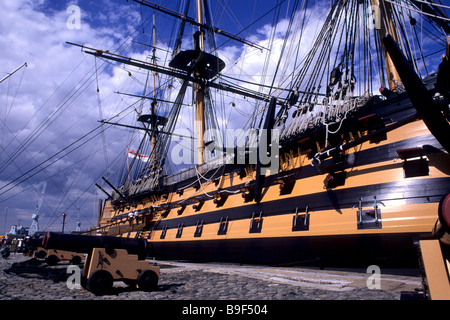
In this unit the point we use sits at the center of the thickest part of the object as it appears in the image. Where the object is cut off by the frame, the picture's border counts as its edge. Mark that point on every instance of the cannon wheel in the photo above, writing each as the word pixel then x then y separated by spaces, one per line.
pixel 52 260
pixel 75 260
pixel 41 254
pixel 147 280
pixel 100 282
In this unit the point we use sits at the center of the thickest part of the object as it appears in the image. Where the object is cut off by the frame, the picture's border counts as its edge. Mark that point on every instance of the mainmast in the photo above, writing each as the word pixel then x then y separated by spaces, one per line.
pixel 199 45
pixel 196 66
pixel 153 104
pixel 385 27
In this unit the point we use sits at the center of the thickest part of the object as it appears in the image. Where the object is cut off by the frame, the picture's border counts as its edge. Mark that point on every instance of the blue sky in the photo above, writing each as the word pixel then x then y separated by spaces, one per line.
pixel 55 101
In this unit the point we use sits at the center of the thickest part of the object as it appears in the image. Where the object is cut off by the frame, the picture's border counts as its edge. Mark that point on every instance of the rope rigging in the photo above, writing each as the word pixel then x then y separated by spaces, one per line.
pixel 335 77
pixel 341 65
pixel 320 87
pixel 100 113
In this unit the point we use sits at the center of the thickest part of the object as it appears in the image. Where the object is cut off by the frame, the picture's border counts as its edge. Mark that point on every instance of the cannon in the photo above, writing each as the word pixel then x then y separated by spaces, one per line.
pixel 35 248
pixel 434 256
pixel 53 256
pixel 33 243
pixel 85 244
pixel 108 259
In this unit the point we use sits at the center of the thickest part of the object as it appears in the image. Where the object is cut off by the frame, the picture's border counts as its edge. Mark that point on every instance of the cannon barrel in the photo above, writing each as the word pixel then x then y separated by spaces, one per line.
pixel 34 242
pixel 85 244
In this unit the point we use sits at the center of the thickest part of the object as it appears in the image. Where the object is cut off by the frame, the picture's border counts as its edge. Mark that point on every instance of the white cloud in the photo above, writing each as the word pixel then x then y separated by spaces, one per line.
pixel 58 89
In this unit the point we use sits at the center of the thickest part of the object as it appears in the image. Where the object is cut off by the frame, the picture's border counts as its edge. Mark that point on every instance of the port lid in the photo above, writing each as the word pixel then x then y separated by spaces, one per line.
pixel 410 153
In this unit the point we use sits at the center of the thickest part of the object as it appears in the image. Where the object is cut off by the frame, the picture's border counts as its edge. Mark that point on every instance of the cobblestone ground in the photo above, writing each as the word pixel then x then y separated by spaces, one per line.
pixel 23 278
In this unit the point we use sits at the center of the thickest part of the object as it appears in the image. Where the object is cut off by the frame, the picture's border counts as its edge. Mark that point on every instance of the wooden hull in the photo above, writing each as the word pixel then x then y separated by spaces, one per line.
pixel 372 212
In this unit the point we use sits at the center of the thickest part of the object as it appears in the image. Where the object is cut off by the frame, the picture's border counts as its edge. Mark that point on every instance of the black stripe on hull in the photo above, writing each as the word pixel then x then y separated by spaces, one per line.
pixel 349 250
pixel 370 156
pixel 366 157
pixel 412 191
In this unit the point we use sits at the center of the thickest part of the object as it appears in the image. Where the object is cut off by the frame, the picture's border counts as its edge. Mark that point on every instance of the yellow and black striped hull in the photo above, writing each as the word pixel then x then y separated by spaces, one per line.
pixel 380 205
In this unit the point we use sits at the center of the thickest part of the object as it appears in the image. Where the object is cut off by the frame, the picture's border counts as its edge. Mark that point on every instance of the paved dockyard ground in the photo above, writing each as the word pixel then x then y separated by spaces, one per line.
pixel 23 278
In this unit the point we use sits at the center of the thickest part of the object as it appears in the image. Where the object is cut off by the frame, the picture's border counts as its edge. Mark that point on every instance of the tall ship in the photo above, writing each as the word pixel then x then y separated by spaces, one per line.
pixel 341 153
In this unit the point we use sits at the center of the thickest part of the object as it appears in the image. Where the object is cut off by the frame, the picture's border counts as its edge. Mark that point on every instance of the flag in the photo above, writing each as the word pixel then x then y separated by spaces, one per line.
pixel 134 154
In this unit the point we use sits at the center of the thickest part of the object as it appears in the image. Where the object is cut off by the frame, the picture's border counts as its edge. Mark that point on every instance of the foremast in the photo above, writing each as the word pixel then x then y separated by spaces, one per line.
pixel 153 104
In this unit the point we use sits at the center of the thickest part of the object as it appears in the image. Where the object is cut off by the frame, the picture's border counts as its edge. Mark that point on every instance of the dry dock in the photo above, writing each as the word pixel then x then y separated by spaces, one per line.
pixel 24 279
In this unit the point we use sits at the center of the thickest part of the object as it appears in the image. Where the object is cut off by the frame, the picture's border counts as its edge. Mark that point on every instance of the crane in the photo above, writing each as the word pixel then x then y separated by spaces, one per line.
pixel 35 224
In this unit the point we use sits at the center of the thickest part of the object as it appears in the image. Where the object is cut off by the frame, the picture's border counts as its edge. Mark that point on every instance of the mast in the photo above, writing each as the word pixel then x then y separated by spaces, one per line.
pixel 196 66
pixel 386 27
pixel 153 104
pixel 199 88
